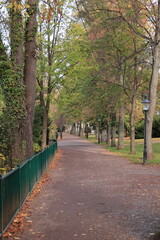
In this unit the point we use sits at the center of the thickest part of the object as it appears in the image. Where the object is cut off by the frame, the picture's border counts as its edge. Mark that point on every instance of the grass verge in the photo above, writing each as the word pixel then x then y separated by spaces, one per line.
pixel 138 156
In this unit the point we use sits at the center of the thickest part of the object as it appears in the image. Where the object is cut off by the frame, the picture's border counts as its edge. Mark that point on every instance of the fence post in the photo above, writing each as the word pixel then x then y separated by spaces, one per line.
pixel 1 207
pixel 37 168
pixel 19 176
pixel 29 164
pixel 41 161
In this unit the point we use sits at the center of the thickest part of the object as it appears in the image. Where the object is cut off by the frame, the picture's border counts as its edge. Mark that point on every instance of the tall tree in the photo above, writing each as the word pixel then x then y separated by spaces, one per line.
pixel 30 75
pixel 51 56
pixel 19 83
pixel 146 15
pixel 142 19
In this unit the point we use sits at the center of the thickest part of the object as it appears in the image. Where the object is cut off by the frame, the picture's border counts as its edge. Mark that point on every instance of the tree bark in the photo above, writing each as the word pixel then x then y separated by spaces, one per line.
pixel 79 130
pixel 113 130
pixel 44 129
pixel 73 129
pixel 17 62
pixel 108 142
pixel 86 130
pixel 121 128
pixel 17 40
pixel 61 129
pixel 113 136
pixel 30 75
pixel 153 87
pixel 132 126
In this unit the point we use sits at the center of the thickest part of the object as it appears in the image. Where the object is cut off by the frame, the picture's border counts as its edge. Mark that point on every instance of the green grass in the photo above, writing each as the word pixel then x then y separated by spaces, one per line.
pixel 138 156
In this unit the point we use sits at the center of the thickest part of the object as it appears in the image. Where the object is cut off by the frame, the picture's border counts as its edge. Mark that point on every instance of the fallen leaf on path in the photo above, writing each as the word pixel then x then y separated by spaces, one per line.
pixel 151 234
pixel 7 235
pixel 19 221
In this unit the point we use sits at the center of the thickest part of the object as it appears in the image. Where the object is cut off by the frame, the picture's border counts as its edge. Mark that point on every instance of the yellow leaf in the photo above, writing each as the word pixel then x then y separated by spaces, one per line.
pixel 10 5
pixel 26 13
pixel 26 6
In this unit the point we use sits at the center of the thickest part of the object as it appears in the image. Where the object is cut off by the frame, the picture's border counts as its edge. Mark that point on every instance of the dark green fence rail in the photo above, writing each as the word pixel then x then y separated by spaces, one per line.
pixel 16 185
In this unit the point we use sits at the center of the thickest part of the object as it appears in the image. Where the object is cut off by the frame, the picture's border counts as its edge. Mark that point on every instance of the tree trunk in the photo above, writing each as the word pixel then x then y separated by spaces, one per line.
pixel 132 127
pixel 17 60
pixel 17 40
pixel 113 130
pixel 44 130
pixel 30 75
pixel 80 128
pixel 113 136
pixel 86 130
pixel 108 142
pixel 104 135
pixel 61 129
pixel 153 88
pixel 73 130
pixel 121 128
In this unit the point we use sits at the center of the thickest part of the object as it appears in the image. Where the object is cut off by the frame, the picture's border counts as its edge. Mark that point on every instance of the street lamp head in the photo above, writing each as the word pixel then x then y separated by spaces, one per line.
pixel 145 103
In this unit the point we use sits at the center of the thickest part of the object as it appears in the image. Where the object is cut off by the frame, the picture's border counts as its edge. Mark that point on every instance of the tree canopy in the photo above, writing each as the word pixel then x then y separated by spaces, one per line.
pixel 65 62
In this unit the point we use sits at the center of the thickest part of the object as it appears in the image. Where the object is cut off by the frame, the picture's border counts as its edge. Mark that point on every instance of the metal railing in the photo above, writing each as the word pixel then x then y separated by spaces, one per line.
pixel 16 185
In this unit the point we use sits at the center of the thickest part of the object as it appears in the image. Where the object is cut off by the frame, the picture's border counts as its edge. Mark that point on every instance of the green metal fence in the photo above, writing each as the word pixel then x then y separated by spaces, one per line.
pixel 16 185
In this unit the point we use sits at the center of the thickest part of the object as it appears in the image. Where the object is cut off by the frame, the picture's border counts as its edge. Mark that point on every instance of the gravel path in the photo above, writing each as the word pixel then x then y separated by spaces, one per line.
pixel 95 195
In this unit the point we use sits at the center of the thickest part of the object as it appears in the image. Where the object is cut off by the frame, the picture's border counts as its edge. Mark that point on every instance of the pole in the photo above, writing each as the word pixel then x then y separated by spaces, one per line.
pixel 145 142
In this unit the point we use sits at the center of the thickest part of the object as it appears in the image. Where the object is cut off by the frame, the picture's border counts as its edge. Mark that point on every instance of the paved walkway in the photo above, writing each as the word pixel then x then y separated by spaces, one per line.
pixel 95 195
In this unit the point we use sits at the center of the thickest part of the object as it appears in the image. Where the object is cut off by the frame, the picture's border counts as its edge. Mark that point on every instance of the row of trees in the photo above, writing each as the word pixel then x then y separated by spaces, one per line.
pixel 121 63
pixel 75 61
pixel 30 56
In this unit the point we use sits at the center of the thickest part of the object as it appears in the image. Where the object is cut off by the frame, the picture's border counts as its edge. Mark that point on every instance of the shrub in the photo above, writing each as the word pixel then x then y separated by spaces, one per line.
pixel 156 127
pixel 139 129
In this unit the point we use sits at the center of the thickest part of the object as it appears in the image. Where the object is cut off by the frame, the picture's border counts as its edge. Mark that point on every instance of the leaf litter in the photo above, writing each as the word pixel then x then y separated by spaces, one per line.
pixel 22 219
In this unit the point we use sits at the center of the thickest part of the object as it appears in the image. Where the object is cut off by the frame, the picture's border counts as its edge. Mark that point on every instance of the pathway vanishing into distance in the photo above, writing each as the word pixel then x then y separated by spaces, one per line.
pixel 95 195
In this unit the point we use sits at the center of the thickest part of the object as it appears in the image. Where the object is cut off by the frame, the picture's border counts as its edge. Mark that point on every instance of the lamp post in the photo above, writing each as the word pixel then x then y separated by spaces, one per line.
pixel 145 104
pixel 99 120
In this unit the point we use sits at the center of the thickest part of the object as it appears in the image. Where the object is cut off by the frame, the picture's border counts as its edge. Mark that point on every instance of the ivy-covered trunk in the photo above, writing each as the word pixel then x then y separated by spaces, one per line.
pixel 15 109
pixel 30 76
pixel 17 40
